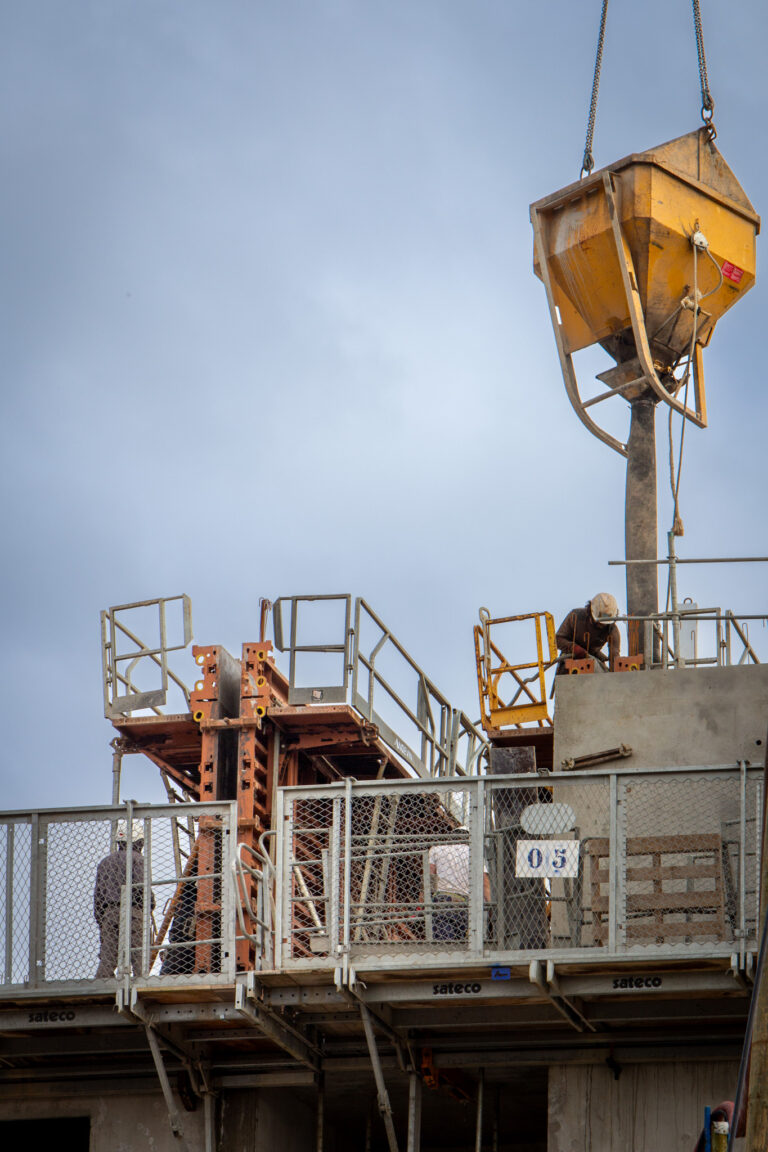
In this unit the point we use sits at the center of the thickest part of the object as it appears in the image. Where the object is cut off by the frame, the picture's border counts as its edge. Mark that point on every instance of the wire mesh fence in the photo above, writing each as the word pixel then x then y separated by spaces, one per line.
pixel 98 894
pixel 600 863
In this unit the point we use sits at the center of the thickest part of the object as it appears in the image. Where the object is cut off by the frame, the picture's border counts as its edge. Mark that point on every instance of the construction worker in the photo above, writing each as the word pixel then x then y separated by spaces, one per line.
pixel 111 879
pixel 585 631
pixel 449 881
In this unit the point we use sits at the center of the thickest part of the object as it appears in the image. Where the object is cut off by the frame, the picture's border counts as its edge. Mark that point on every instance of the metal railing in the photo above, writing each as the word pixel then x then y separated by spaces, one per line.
pixel 597 865
pixel 254 878
pixel 378 677
pixel 513 694
pixel 136 674
pixel 79 911
pixel 693 637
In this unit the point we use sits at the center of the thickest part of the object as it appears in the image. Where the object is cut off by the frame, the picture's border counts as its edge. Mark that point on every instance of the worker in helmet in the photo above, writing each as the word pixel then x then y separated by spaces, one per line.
pixel 111 878
pixel 585 631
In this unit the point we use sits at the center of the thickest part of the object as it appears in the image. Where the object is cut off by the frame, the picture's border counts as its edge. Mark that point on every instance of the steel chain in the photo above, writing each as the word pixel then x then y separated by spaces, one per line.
pixel 707 103
pixel 588 162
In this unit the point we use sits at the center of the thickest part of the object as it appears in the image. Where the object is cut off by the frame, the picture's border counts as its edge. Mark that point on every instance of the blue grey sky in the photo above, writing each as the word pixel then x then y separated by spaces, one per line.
pixel 269 326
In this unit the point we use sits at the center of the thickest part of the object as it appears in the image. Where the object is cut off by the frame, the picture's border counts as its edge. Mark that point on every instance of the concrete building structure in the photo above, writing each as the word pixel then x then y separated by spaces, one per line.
pixel 302 981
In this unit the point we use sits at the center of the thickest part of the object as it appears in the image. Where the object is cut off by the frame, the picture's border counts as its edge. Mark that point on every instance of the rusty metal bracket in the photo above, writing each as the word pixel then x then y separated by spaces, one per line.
pixel 589 761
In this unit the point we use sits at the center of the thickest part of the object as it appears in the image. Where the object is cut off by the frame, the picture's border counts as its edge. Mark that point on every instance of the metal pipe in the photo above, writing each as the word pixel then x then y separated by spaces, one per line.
pixel 699 560
pixel 479 1116
pixel 495 1144
pixel 641 532
pixel 126 898
pixel 208 1121
pixel 347 864
pixel 320 1114
pixel 414 1112
pixel 173 1113
pixel 35 895
pixel 673 598
pixel 385 1108
pixel 117 763
pixel 743 862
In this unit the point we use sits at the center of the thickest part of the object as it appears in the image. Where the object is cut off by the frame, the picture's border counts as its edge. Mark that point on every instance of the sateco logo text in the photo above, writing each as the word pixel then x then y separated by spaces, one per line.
pixel 638 982
pixel 454 989
pixel 50 1017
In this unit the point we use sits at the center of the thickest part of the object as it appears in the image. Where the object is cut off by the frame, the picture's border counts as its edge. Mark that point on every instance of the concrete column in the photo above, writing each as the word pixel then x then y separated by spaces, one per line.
pixel 641 530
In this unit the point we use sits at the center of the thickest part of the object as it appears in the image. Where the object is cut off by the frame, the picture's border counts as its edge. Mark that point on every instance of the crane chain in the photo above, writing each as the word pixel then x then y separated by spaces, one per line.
pixel 588 161
pixel 707 103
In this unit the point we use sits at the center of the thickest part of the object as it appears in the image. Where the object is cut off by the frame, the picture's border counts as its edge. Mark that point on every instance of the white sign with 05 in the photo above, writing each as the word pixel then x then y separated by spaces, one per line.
pixel 547 858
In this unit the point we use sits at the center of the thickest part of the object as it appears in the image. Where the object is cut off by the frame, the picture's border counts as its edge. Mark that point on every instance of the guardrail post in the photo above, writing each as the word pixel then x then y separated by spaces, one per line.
pixel 37 902
pixel 334 941
pixel 9 868
pixel 146 899
pixel 476 901
pixel 228 929
pixel 126 907
pixel 616 860
pixel 347 863
pixel 742 863
pixel 282 879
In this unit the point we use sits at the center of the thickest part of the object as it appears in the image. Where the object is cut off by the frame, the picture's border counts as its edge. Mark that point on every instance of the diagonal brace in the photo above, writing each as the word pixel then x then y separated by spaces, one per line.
pixel 385 1108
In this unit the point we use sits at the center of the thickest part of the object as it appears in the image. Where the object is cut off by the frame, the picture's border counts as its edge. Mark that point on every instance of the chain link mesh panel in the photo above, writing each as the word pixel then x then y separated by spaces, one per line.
pixel 94 897
pixel 405 877
pixel 411 871
pixel 15 874
pixel 687 859
pixel 536 842
pixel 314 884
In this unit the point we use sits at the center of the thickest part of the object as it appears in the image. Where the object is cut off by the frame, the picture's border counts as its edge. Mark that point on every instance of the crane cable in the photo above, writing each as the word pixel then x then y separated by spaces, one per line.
pixel 707 103
pixel 674 477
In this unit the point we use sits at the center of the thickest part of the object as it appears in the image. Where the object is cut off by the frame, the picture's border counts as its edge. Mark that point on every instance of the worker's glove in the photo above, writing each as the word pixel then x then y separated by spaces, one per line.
pixel 579 652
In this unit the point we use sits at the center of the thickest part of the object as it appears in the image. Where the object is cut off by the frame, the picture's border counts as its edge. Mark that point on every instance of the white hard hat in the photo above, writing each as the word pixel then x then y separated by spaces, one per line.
pixel 604 607
pixel 137 831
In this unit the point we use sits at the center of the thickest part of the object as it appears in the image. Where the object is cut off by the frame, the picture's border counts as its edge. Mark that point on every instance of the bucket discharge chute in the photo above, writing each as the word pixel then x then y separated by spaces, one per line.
pixel 643 258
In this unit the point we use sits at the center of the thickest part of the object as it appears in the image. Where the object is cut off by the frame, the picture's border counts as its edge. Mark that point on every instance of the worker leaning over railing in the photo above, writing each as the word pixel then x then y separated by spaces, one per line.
pixel 585 631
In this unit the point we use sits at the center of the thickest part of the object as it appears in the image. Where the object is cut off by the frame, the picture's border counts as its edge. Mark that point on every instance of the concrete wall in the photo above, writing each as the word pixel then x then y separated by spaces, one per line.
pixel 675 718
pixel 248 1120
pixel 657 1107
pixel 266 1120
pixel 119 1123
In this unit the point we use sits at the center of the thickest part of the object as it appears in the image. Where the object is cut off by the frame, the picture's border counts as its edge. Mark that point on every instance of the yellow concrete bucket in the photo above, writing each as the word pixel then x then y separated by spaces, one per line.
pixel 624 254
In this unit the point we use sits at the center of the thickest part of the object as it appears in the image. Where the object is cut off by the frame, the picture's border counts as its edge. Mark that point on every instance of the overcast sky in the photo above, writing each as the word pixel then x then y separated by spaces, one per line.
pixel 270 327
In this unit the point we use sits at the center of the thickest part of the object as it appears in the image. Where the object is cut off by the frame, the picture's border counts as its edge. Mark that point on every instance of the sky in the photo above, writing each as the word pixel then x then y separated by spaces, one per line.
pixel 270 327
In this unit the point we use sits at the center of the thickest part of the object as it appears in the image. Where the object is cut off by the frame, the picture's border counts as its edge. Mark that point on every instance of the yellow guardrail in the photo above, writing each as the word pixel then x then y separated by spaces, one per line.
pixel 509 697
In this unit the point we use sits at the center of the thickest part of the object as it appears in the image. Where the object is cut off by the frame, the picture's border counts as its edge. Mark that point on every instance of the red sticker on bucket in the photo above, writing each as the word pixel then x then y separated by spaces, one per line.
pixel 732 272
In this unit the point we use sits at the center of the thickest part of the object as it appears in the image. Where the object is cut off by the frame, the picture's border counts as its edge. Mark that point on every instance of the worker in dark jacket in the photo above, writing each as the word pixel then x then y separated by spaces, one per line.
pixel 111 877
pixel 585 631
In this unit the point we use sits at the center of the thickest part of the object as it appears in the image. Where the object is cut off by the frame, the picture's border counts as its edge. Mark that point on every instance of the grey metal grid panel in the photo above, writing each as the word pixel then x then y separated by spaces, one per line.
pixel 146 918
pixel 594 864
pixel 680 843
pixel 538 838
pixel 313 885
pixel 70 855
pixel 411 871
pixel 16 874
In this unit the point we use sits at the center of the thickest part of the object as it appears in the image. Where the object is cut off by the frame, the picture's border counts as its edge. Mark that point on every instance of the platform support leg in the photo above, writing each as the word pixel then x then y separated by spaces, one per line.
pixel 320 1115
pixel 414 1112
pixel 173 1114
pixel 385 1108
pixel 479 1120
